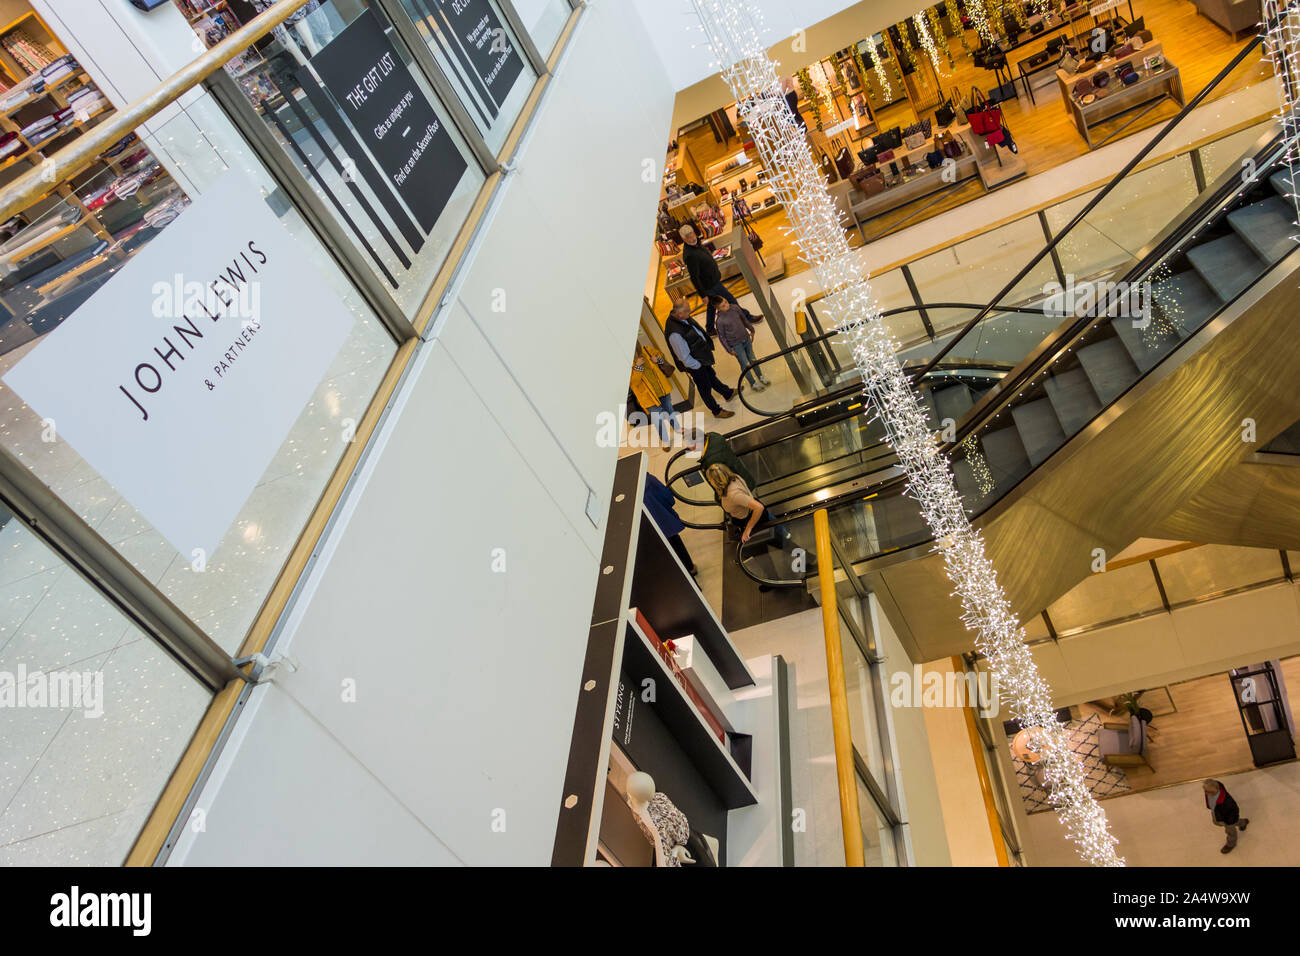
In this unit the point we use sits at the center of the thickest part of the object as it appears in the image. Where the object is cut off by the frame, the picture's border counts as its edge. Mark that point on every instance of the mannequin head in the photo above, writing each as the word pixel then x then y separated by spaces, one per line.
pixel 640 787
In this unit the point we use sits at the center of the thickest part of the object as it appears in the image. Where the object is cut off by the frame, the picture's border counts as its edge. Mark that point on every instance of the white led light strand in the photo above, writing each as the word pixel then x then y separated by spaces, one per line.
pixel 732 30
pixel 927 42
pixel 1282 46
pixel 975 10
pixel 886 91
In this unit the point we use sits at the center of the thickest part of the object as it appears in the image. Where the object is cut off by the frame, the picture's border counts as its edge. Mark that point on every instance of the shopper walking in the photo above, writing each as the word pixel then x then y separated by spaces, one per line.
pixel 651 384
pixel 740 504
pixel 705 275
pixel 661 504
pixel 736 334
pixel 714 449
pixel 1224 812
pixel 694 353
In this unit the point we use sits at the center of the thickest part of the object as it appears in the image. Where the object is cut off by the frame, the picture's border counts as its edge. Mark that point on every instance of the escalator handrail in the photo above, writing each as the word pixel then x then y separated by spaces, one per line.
pixel 1105 191
pixel 1066 338
pixel 669 478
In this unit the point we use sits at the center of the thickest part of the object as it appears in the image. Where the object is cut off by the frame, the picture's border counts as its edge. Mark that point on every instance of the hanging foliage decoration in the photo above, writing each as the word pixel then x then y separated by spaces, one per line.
pixel 810 94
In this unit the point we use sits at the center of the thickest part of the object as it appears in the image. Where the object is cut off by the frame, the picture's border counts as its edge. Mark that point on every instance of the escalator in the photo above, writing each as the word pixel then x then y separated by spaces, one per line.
pixel 1010 408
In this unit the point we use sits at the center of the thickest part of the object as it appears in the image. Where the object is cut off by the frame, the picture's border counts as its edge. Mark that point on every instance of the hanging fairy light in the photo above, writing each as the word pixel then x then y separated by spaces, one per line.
pixel 927 42
pixel 732 30
pixel 936 32
pixel 980 18
pixel 1282 48
pixel 886 90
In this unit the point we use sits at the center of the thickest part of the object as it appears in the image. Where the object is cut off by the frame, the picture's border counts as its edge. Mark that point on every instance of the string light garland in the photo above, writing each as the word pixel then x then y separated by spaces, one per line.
pixel 980 18
pixel 886 90
pixel 927 42
pixel 1282 49
pixel 733 32
pixel 905 36
pixel 954 21
pixel 937 37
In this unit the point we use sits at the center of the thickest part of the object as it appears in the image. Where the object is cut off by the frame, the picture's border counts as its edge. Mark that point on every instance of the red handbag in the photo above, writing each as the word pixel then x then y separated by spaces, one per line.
pixel 984 119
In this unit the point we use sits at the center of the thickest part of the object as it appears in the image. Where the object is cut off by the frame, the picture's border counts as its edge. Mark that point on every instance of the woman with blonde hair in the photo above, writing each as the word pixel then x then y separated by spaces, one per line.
pixel 739 502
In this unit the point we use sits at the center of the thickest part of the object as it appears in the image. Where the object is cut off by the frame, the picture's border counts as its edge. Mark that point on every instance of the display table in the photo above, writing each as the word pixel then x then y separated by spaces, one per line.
pixel 1065 81
pixel 1152 85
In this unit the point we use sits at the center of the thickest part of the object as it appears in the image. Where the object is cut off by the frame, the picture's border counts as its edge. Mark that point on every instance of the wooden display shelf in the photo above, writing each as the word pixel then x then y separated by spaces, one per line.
pixel 26 252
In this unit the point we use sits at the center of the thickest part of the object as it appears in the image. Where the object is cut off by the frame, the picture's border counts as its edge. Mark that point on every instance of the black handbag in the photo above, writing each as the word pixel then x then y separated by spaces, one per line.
pixel 1000 94
pixel 935 159
pixel 868 156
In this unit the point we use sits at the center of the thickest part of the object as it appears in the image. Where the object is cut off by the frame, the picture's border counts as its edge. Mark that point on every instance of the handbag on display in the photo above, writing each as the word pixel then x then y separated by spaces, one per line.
pixel 915 140
pixel 892 139
pixel 1100 79
pixel 950 146
pixel 885 157
pixel 935 159
pixel 1123 51
pixel 985 118
pixel 828 168
pixel 868 156
pixel 874 185
pixel 1070 63
pixel 1083 87
pixel 844 163
pixel 945 114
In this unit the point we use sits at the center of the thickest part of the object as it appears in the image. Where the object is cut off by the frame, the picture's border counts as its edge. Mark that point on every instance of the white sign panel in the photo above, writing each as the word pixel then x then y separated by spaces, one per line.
pixel 181 377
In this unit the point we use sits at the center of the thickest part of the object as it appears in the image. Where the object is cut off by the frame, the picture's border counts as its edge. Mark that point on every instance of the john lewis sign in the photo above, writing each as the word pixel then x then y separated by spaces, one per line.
pixel 180 379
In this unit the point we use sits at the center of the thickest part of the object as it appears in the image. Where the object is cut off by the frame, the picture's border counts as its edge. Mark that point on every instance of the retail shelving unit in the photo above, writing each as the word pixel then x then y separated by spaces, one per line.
pixel 732 784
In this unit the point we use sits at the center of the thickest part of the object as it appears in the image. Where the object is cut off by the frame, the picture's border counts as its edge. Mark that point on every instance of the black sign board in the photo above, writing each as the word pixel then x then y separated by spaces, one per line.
pixel 394 120
pixel 478 32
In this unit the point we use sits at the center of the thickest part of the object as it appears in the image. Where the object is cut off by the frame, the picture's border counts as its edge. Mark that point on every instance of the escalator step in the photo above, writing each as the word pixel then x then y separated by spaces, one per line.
pixel 1109 368
pixel 1072 398
pixel 952 402
pixel 1267 227
pixel 1185 300
pixel 1040 430
pixel 1227 265
pixel 1006 457
pixel 1282 184
pixel 1147 345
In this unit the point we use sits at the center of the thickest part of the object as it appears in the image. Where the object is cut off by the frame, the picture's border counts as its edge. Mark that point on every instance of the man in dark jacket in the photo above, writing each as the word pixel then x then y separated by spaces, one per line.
pixel 661 504
pixel 694 353
pixel 1224 812
pixel 705 275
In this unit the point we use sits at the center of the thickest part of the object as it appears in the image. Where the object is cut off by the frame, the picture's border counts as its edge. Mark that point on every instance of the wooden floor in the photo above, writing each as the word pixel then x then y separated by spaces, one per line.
pixel 1045 133
pixel 1204 738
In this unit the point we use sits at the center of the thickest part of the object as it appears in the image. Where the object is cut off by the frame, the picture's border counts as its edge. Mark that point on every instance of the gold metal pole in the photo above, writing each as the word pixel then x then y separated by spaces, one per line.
pixel 982 771
pixel 850 818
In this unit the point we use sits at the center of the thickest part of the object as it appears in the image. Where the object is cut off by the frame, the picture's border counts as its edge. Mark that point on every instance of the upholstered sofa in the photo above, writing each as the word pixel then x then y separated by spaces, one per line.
pixel 1235 16
pixel 1124 744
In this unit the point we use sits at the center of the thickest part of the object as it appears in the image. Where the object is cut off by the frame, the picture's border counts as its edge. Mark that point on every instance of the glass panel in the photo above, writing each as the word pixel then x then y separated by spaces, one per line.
pixel 977 269
pixel 863 726
pixel 93 714
pixel 877 834
pixel 480 56
pixel 1198 572
pixel 223 587
pixel 1227 153
pixel 340 93
pixel 544 20
pixel 1107 597
pixel 1143 204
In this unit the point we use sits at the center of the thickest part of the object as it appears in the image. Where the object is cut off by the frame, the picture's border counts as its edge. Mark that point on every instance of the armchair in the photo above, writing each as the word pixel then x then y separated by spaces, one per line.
pixel 1124 743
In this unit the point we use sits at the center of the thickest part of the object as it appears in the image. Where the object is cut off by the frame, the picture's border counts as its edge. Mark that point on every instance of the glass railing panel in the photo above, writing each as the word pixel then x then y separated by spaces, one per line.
pixel 877 835
pixel 1212 569
pixel 94 719
pixel 864 727
pixel 544 20
pixel 977 269
pixel 1229 151
pixel 1128 218
pixel 1109 596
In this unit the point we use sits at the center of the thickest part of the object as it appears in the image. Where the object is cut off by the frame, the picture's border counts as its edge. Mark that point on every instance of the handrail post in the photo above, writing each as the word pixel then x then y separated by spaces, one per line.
pixel 850 818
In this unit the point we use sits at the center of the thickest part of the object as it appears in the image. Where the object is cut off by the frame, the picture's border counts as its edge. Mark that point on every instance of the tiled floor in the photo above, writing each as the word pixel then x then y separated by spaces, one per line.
pixel 1171 827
